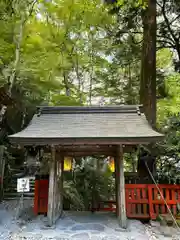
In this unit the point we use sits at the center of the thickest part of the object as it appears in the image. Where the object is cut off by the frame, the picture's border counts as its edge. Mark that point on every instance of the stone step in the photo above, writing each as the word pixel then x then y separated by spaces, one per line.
pixel 18 198
pixel 17 193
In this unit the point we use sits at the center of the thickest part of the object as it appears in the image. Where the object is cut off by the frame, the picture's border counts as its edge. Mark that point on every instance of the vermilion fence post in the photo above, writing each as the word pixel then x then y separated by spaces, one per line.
pixel 36 197
pixel 150 198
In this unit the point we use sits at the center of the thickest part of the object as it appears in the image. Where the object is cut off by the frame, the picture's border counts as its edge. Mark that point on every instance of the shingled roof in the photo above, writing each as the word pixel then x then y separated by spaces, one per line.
pixel 63 125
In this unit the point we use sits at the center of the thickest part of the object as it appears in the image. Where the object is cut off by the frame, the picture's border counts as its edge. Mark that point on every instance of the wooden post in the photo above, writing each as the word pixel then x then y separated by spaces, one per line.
pixel 61 167
pixel 55 198
pixel 52 185
pixel 117 184
pixel 2 168
pixel 121 189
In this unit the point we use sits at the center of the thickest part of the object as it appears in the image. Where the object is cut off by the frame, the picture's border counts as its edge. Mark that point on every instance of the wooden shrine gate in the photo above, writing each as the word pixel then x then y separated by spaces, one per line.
pixel 142 200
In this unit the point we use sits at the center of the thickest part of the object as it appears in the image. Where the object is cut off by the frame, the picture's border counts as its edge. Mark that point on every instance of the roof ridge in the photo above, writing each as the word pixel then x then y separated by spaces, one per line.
pixel 90 109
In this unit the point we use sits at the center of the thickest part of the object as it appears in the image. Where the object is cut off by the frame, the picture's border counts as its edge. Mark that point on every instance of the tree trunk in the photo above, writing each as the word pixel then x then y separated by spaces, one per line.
pixel 148 72
pixel 143 172
pixel 133 162
pixel 91 69
pixel 148 62
pixel 68 92
pixel 79 79
pixel 130 99
pixel 17 56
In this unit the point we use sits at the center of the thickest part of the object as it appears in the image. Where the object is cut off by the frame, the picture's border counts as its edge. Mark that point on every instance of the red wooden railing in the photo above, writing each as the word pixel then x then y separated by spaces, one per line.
pixel 143 201
pixel 137 201
pixel 171 194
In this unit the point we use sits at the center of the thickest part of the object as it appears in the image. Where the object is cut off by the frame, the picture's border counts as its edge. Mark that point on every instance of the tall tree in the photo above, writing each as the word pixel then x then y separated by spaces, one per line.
pixel 148 62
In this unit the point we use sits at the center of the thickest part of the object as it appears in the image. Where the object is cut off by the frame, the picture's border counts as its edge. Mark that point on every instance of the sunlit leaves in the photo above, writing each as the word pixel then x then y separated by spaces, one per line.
pixel 164 58
pixel 171 104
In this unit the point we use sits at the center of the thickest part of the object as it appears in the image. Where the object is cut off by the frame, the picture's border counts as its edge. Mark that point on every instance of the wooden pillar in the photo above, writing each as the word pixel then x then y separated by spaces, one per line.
pixel 55 198
pixel 121 201
pixel 52 186
pixel 2 168
pixel 60 187
pixel 117 184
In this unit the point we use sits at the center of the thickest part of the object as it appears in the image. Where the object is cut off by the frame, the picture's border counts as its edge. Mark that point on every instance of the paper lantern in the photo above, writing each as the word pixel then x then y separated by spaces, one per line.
pixel 111 164
pixel 67 163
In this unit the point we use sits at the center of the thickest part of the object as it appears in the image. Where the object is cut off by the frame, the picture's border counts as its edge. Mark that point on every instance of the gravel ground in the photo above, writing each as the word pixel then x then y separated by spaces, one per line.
pixel 75 226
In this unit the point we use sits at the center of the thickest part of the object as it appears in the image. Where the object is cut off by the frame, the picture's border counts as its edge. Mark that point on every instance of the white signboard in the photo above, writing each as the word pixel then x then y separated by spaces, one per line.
pixel 23 185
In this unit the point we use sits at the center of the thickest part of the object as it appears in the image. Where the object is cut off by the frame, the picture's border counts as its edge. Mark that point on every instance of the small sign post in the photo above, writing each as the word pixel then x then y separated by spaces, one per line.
pixel 22 186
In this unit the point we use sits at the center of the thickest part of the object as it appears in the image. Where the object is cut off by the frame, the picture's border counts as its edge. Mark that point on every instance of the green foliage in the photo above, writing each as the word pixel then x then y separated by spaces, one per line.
pixel 169 150
pixel 63 100
pixel 132 3
pixel 71 194
pixel 97 184
pixel 164 58
pixel 171 104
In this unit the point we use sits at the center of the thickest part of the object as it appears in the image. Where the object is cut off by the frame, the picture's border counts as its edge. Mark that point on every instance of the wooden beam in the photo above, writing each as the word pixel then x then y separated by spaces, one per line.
pixel 94 141
pixel 51 195
pixel 121 189
pixel 88 153
pixel 93 148
pixel 88 150
pixel 84 146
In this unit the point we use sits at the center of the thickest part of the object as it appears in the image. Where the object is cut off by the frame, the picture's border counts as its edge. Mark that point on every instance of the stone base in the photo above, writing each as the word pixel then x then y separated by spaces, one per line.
pixel 166 219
